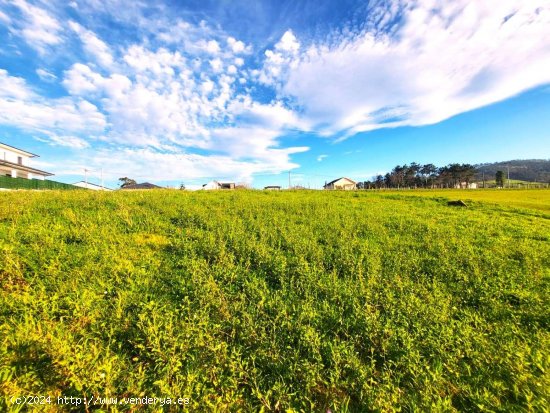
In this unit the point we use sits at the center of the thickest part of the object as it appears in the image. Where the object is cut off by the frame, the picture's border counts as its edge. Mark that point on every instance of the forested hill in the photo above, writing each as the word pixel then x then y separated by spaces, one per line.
pixel 521 169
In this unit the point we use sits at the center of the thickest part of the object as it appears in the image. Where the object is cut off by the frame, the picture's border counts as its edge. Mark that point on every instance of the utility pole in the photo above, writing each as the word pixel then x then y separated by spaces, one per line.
pixel 508 168
pixel 102 186
pixel 288 179
pixel 86 177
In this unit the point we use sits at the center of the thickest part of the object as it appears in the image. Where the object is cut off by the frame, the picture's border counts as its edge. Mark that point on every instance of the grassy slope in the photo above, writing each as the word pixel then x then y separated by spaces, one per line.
pixel 538 199
pixel 304 300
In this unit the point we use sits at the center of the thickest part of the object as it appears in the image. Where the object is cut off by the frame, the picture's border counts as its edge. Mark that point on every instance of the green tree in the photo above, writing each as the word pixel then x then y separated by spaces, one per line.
pixel 468 173
pixel 124 182
pixel 499 178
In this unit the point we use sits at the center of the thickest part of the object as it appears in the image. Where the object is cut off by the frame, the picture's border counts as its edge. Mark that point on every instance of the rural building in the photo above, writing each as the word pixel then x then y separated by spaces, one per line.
pixel 272 188
pixel 14 162
pixel 144 185
pixel 466 185
pixel 341 183
pixel 93 187
pixel 214 185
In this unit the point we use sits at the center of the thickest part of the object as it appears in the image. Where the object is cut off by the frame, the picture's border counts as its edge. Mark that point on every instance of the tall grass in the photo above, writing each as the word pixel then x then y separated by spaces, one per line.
pixel 291 301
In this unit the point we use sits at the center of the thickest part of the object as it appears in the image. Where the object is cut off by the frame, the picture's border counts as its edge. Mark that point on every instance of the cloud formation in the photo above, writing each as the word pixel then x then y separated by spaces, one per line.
pixel 447 57
pixel 175 95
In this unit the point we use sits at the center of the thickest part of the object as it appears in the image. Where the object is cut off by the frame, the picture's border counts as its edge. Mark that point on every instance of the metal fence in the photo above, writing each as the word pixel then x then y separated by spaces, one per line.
pixel 22 183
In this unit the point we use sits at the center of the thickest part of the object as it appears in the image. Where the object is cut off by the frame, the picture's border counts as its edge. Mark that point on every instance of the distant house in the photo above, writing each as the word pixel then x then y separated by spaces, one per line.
pixel 214 185
pixel 272 188
pixel 341 183
pixel 145 185
pixel 14 163
pixel 93 187
pixel 466 185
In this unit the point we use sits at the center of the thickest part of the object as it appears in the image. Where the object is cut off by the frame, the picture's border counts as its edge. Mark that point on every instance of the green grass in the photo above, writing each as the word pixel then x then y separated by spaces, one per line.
pixel 278 301
pixel 538 199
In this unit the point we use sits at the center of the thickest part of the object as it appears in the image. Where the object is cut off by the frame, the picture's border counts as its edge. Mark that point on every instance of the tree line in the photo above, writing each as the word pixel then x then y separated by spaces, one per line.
pixel 424 176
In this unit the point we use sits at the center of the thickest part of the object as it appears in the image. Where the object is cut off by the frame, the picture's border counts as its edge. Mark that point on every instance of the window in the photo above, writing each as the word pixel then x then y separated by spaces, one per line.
pixel 20 160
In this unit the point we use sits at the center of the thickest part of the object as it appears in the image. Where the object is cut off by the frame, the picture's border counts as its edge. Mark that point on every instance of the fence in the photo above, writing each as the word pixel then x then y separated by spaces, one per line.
pixel 22 183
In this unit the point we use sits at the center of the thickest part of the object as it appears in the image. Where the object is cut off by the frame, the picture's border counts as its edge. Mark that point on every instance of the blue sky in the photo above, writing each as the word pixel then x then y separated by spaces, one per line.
pixel 247 91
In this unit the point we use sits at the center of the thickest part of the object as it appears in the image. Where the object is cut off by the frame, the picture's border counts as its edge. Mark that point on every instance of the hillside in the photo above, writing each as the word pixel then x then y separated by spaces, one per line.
pixel 532 170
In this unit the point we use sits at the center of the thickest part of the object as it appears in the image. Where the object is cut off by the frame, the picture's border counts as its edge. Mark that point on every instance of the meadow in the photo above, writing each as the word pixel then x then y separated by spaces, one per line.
pixel 277 301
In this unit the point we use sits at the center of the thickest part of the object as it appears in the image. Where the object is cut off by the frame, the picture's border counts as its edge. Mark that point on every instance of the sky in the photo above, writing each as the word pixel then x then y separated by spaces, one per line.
pixel 261 92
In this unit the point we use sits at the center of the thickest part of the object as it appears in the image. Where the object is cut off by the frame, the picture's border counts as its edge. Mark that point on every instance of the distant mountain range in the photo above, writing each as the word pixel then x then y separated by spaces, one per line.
pixel 533 170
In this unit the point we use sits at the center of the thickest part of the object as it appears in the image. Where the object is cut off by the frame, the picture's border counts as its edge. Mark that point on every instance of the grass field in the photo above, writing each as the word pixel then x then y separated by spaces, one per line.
pixel 266 301
pixel 518 198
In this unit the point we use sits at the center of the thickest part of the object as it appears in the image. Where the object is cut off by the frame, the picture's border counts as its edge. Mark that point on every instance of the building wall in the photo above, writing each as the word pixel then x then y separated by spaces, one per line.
pixel 342 184
pixel 346 187
pixel 14 172
pixel 14 157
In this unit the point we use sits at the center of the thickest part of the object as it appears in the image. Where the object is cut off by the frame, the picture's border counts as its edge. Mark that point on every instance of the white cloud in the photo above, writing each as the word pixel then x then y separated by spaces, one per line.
pixel 207 86
pixel 232 69
pixel 321 157
pixel 174 111
pixel 72 142
pixel 93 45
pixel 20 106
pixel 217 65
pixel 159 63
pixel 45 75
pixel 212 47
pixel 236 46
pixel 147 164
pixel 447 58
pixel 13 88
pixel 80 79
pixel 288 42
pixel 281 61
pixel 37 26
pixel 4 18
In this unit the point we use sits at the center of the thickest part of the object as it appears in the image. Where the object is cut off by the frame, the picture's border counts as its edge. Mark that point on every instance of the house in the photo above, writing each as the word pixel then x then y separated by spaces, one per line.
pixel 214 185
pixel 14 162
pixel 93 187
pixel 466 185
pixel 341 183
pixel 272 188
pixel 144 185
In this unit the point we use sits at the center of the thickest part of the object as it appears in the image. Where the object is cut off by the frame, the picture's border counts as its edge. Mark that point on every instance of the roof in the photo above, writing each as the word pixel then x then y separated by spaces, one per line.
pixel 336 180
pixel 144 185
pixel 25 168
pixel 21 151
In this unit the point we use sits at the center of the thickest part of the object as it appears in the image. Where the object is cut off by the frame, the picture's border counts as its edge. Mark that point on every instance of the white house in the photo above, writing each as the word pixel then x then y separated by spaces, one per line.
pixel 93 187
pixel 213 185
pixel 466 185
pixel 341 183
pixel 14 162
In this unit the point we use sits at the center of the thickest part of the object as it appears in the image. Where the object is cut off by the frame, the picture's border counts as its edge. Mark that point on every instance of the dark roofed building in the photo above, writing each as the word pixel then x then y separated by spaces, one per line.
pixel 144 185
